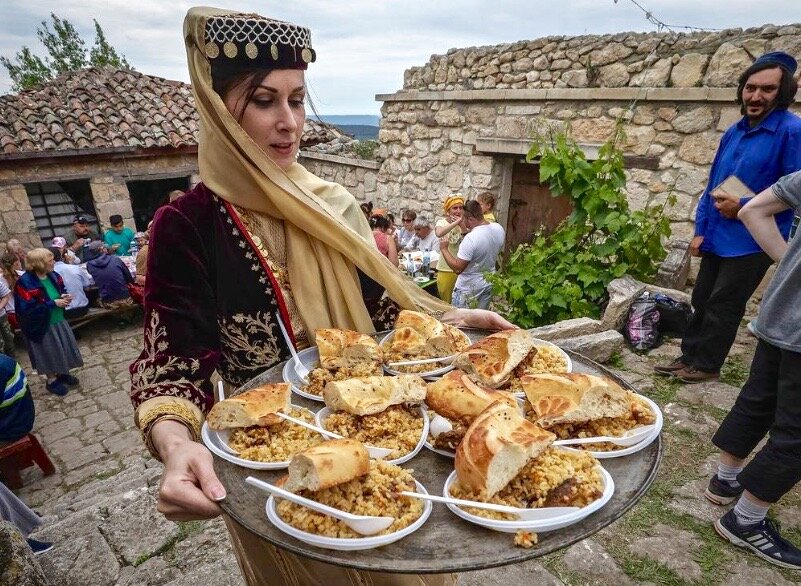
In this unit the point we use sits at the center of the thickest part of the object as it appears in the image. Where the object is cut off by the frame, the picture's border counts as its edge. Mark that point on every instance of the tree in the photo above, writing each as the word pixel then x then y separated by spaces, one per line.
pixel 66 51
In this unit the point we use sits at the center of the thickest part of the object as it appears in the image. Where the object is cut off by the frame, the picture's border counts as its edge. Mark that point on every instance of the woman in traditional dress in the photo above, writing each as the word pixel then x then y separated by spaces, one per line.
pixel 259 240
pixel 39 300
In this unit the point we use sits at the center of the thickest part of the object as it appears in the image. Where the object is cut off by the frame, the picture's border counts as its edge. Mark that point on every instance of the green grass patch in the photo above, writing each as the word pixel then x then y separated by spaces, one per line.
pixel 665 389
pixel 554 563
pixel 616 360
pixel 647 570
pixel 734 371
pixel 185 529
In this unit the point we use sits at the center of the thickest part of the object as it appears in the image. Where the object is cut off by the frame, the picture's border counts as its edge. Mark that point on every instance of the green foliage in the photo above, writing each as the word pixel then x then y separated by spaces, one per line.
pixel 565 274
pixel 66 51
pixel 365 149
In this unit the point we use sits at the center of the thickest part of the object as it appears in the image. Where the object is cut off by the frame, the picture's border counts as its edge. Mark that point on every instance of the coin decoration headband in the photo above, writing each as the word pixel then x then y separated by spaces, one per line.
pixel 250 40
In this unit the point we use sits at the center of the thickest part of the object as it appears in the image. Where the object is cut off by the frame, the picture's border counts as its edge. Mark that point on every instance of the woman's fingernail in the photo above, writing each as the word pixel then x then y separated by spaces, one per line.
pixel 218 493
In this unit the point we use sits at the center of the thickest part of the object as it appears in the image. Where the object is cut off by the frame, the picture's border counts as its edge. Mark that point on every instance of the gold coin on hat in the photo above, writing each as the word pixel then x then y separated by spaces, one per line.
pixel 306 55
pixel 230 50
pixel 251 50
pixel 212 50
pixel 274 52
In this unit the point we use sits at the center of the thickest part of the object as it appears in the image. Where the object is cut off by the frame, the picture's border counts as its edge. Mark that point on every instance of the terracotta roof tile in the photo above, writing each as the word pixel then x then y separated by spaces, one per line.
pixel 104 107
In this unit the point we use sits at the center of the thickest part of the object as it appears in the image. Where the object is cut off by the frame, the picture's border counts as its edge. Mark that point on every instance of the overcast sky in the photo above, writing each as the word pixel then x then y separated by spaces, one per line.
pixel 363 46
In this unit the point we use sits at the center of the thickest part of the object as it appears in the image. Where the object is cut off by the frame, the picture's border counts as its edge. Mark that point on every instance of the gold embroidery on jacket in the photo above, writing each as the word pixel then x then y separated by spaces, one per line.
pixel 249 342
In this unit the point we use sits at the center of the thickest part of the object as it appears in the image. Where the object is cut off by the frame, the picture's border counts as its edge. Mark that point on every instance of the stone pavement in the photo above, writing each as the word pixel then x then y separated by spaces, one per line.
pixel 99 507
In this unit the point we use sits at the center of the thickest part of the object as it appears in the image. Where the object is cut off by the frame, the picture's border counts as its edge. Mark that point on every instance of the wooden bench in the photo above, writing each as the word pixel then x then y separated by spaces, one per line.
pixel 21 454
pixel 93 314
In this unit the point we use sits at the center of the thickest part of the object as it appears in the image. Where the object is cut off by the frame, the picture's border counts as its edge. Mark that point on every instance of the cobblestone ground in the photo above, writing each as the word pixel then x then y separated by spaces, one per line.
pixel 99 507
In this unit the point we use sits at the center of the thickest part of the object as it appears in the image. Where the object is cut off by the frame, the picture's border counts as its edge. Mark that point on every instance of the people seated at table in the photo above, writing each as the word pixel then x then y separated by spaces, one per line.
pixel 80 235
pixel 406 232
pixel 7 344
pixel 76 280
pixel 477 256
pixel 486 200
pixel 14 246
pixel 451 227
pixel 11 269
pixel 67 256
pixel 424 237
pixel 141 239
pixel 385 243
pixel 40 298
pixel 119 237
pixel 16 403
pixel 111 277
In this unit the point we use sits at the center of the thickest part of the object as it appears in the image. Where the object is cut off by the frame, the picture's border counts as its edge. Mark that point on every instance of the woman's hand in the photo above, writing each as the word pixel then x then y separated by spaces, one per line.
pixel 189 487
pixel 61 302
pixel 477 318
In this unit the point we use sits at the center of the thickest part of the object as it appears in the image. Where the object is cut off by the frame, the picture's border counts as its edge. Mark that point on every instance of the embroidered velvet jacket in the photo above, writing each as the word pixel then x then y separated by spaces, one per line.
pixel 211 302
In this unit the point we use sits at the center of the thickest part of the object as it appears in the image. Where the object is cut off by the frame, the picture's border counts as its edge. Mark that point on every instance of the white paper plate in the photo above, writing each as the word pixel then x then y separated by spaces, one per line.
pixel 625 451
pixel 310 358
pixel 542 526
pixel 436 372
pixel 562 353
pixel 215 440
pixel 344 543
pixel 323 413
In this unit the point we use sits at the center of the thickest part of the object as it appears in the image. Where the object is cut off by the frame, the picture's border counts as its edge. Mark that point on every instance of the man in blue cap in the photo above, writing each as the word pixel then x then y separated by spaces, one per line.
pixel 759 149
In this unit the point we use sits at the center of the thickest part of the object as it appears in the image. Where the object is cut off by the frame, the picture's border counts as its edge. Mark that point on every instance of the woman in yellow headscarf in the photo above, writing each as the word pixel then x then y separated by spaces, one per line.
pixel 259 240
pixel 450 226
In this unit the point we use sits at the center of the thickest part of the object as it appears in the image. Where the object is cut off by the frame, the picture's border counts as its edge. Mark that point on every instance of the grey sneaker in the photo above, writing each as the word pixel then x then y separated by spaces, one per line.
pixel 762 538
pixel 721 492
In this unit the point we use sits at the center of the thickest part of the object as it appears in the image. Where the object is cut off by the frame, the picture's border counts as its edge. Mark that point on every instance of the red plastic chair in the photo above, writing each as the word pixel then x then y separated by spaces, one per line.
pixel 21 454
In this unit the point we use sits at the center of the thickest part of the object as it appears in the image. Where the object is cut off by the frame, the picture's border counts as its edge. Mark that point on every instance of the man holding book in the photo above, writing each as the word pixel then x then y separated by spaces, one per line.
pixel 753 154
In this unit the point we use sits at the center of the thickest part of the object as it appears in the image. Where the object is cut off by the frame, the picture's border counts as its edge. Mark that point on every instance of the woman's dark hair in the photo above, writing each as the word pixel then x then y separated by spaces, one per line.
pixel 379 222
pixel 367 208
pixel 225 79
pixel 787 88
pixel 473 209
pixel 7 265
pixel 56 253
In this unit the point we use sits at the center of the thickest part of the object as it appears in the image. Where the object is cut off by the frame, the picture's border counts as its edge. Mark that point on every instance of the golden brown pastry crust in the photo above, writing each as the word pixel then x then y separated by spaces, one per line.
pixel 327 464
pixel 254 407
pixel 373 394
pixel 344 348
pixel 491 361
pixel 456 396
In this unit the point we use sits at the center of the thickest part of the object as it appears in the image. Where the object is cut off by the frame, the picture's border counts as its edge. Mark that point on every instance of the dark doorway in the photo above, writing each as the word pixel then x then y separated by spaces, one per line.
pixel 55 203
pixel 148 196
pixel 531 206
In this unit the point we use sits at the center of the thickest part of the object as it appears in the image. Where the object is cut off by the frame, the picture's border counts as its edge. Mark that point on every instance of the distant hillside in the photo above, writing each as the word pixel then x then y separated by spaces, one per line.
pixel 359 127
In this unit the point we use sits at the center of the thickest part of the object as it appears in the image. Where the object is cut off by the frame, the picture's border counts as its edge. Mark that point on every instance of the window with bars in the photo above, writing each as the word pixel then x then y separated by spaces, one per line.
pixel 55 203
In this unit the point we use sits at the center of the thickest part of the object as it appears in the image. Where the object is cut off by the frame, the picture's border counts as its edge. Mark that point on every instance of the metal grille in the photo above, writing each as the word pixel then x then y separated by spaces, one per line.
pixel 54 204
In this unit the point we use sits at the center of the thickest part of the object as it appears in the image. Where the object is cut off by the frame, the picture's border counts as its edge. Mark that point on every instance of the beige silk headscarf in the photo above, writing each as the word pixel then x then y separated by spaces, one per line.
pixel 327 236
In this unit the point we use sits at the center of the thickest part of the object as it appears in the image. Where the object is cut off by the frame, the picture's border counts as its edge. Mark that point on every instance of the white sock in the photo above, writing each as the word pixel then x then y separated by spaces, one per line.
pixel 729 474
pixel 747 512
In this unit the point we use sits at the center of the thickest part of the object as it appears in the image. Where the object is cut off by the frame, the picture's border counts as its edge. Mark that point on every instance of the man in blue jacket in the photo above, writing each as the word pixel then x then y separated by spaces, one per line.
pixel 759 149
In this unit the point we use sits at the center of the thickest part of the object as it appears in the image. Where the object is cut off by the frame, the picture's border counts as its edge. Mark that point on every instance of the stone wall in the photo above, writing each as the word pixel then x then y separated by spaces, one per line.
pixel 357 175
pixel 446 131
pixel 620 60
pixel 107 178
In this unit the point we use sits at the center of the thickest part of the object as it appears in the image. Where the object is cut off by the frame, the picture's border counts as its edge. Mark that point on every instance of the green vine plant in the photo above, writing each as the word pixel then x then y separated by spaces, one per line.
pixel 564 274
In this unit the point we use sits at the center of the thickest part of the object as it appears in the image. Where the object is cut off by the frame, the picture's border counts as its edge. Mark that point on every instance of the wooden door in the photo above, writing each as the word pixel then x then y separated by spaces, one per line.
pixel 531 206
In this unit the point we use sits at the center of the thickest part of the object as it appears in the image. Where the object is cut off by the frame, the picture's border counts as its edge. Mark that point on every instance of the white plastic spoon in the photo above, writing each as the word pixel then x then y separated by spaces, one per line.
pixel 628 439
pixel 374 451
pixel 362 524
pixel 300 368
pixel 522 514
pixel 444 360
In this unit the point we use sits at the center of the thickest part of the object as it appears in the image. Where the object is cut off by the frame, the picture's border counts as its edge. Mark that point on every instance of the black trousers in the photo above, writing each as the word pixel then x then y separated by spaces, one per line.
pixel 769 402
pixel 722 289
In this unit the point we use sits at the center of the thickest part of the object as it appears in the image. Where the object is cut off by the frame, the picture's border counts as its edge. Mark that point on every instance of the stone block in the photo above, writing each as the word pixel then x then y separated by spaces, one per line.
pixel 692 120
pixel 528 572
pixel 656 75
pixel 675 269
pixel 568 328
pixel 672 548
pixel 593 563
pixel 726 65
pixel 728 117
pixel 622 293
pixel 82 559
pixel 18 565
pixel 598 347
pixel 610 53
pixel 481 164
pixel 592 129
pixel 689 71
pixel 699 148
pixel 712 394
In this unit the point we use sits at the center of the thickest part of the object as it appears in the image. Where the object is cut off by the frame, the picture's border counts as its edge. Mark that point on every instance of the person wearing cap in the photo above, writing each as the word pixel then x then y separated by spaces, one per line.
pixel 80 235
pixel 67 255
pixel 764 145
pixel 76 280
pixel 119 237
pixel 141 257
pixel 258 240
pixel 451 227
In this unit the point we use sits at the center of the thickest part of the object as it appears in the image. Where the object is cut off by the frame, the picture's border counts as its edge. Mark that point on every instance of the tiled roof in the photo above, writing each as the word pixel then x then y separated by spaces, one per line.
pixel 106 108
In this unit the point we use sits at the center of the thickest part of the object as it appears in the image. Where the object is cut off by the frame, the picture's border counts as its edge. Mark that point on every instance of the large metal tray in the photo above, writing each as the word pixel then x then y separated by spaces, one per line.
pixel 445 543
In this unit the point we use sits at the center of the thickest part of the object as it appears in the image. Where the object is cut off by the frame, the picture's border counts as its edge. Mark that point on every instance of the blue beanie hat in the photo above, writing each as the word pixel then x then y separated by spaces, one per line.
pixel 780 58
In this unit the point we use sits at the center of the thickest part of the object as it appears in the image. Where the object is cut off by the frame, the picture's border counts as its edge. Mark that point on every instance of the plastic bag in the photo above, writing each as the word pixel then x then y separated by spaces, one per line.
pixel 674 316
pixel 642 326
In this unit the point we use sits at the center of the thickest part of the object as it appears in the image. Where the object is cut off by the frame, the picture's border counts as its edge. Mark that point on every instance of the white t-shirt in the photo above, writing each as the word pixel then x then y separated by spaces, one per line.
pixel 5 290
pixel 480 248
pixel 75 279
pixel 430 242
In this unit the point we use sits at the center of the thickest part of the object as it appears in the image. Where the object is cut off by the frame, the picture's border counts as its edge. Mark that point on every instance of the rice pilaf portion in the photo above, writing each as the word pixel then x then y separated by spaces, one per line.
pixel 543 359
pixel 319 377
pixel 398 428
pixel 373 494
pixel 275 443
pixel 639 414
pixel 555 478
pixel 459 340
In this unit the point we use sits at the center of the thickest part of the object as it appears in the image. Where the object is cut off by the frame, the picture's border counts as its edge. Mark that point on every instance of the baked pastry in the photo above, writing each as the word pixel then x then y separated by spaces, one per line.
pixel 456 396
pixel 573 397
pixel 497 445
pixel 491 361
pixel 327 464
pixel 419 334
pixel 254 407
pixel 373 394
pixel 346 348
